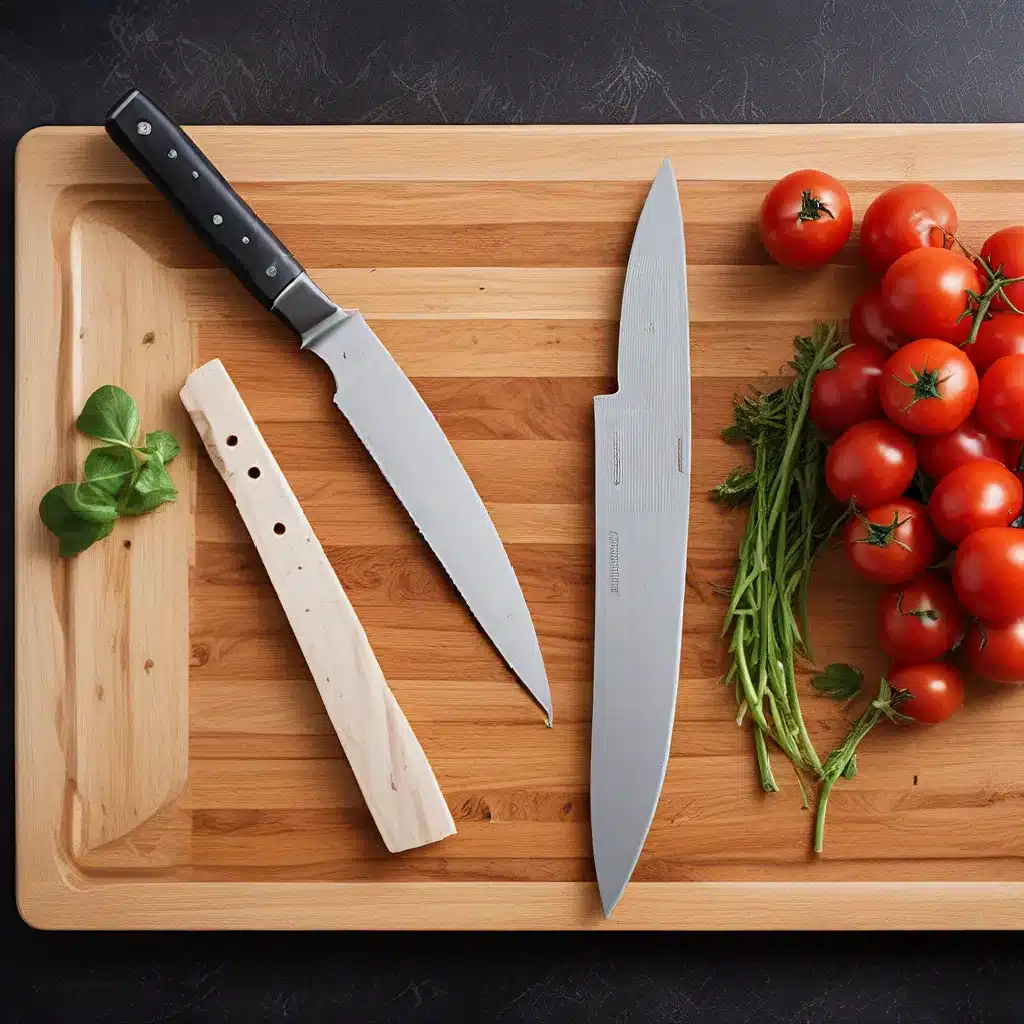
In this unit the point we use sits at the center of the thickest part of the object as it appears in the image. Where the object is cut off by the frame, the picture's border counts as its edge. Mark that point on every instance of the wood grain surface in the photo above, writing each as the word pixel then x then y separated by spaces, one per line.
pixel 490 262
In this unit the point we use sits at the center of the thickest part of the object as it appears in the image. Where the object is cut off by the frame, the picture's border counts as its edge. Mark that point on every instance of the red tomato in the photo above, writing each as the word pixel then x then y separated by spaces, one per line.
pixel 848 393
pixel 873 462
pixel 1002 334
pixel 805 219
pixel 996 651
pixel 867 324
pixel 936 690
pixel 928 387
pixel 892 543
pixel 939 454
pixel 1005 251
pixel 982 493
pixel 924 294
pixel 1001 398
pixel 903 218
pixel 920 621
pixel 988 574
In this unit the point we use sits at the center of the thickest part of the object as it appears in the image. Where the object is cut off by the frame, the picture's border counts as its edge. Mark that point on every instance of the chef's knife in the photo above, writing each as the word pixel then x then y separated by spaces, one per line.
pixel 385 410
pixel 642 462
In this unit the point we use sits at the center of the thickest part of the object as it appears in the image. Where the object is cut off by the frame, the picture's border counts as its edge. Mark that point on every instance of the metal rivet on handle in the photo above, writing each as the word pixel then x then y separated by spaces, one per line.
pixel 245 239
pixel 172 153
pixel 195 174
pixel 272 270
pixel 218 219
pixel 143 127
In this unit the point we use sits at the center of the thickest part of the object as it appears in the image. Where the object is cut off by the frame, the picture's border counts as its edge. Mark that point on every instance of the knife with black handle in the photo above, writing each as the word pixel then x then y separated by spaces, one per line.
pixel 383 407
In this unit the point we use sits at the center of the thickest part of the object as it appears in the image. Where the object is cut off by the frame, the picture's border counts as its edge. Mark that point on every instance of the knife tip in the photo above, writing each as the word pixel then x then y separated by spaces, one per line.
pixel 610 899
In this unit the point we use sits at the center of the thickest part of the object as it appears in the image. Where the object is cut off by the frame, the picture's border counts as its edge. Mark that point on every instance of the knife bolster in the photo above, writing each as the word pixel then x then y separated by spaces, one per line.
pixel 304 306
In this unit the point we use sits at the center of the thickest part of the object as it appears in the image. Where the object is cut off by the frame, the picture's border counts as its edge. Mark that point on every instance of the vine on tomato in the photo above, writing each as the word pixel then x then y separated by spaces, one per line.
pixel 925 294
pixel 1002 334
pixel 1004 252
pixel 928 387
pixel 805 219
pixel 906 217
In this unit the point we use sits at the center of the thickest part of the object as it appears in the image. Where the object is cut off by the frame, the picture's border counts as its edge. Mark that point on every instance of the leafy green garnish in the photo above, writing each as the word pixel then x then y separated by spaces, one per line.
pixel 65 515
pixel 151 489
pixel 120 478
pixel 843 682
pixel 110 415
pixel 160 442
pixel 109 468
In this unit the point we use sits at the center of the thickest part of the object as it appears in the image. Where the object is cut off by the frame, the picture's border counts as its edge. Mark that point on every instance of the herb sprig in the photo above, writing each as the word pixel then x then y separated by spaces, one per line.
pixel 121 478
pixel 791 517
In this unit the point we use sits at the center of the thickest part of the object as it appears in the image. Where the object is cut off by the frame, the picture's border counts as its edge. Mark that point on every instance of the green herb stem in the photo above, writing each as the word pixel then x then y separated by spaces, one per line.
pixel 790 517
pixel 840 760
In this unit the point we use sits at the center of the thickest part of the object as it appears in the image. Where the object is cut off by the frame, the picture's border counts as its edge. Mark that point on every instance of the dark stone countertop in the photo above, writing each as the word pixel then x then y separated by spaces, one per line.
pixel 416 61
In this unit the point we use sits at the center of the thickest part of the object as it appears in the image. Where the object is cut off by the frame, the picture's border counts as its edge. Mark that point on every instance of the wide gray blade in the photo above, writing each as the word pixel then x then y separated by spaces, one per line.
pixel 642 502
pixel 412 452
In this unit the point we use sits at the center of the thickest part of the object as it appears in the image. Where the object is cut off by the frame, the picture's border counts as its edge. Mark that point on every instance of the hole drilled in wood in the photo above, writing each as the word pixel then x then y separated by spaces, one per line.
pixel 232 440
pixel 279 528
pixel 254 472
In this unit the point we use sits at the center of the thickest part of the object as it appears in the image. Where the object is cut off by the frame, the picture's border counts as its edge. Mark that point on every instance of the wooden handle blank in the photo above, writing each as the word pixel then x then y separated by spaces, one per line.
pixel 388 762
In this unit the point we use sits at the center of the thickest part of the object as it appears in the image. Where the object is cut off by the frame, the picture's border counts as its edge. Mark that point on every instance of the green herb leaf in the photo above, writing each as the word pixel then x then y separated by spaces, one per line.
pixel 843 682
pixel 152 487
pixel 162 443
pixel 110 468
pixel 61 511
pixel 116 482
pixel 850 771
pixel 90 502
pixel 111 415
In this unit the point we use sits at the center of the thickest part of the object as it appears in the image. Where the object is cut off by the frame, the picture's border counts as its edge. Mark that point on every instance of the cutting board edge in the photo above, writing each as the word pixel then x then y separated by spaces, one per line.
pixel 85 155
pixel 54 903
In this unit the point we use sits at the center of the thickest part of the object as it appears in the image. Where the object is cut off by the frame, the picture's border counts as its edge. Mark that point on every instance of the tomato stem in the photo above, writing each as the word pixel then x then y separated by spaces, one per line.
pixel 881 535
pixel 997 281
pixel 921 613
pixel 812 207
pixel 924 385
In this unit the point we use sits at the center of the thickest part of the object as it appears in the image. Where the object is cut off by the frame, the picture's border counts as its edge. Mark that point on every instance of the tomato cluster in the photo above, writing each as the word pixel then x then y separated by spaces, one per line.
pixel 924 412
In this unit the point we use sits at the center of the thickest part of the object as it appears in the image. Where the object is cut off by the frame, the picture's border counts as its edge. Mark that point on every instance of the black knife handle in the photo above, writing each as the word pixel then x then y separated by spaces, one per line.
pixel 178 168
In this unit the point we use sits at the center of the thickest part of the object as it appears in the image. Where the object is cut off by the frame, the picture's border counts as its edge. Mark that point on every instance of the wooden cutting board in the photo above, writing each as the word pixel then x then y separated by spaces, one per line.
pixel 175 766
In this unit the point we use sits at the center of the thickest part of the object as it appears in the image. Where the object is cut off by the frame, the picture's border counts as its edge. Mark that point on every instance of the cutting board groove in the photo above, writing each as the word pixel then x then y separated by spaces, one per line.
pixel 491 263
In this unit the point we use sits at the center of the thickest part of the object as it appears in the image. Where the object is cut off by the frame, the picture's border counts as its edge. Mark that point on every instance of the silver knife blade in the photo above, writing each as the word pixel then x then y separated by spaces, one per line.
pixel 407 443
pixel 642 464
